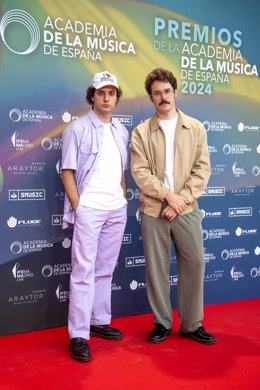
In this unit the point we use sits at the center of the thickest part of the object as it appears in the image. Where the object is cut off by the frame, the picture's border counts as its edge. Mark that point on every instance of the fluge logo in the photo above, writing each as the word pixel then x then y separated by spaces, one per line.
pixel 22 17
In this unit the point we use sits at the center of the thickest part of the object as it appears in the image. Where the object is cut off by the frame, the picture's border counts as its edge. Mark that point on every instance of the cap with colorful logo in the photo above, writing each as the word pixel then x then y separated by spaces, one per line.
pixel 103 79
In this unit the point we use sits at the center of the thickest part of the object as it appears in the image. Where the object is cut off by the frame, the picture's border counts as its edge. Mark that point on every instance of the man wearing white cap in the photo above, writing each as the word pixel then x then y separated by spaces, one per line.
pixel 94 159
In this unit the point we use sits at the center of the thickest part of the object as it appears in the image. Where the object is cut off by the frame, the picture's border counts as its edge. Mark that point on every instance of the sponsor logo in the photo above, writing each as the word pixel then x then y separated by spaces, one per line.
pixel 56 270
pixel 240 212
pixel 208 256
pixel 245 232
pixel 59 167
pixel 61 294
pixel 60 195
pixel 126 120
pixel 134 261
pixel 255 272
pixel 211 214
pixel 67 117
pixel 20 143
pixel 16 247
pixel 52 143
pixel 34 296
pixel 138 216
pixel 234 253
pixel 256 170
pixel 15 195
pixel 246 191
pixel 214 191
pixel 29 246
pixel 242 127
pixel 12 222
pixel 173 259
pixel 140 260
pixel 173 280
pixel 21 17
pixel 214 234
pixel 132 194
pixel 236 275
pixel 212 149
pixel 115 287
pixel 127 239
pixel 33 169
pixel 56 220
pixel 72 39
pixel 236 149
pixel 214 276
pixel 29 115
pixel 237 172
pixel 21 274
pixel 218 169
pixel 134 285
pixel 216 126
pixel 66 243
pixel 15 115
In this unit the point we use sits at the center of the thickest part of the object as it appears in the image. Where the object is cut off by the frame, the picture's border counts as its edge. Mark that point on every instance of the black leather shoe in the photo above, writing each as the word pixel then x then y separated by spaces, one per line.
pixel 79 349
pixel 105 332
pixel 200 335
pixel 158 334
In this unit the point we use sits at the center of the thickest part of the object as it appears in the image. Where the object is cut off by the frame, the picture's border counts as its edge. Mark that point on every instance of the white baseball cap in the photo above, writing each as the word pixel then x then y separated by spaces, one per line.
pixel 104 78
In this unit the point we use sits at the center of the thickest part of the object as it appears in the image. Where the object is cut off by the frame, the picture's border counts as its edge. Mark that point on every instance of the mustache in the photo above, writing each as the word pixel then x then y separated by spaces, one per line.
pixel 164 102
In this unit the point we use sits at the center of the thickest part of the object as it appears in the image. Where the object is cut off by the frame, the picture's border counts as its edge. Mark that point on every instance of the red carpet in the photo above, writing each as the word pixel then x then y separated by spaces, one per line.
pixel 40 360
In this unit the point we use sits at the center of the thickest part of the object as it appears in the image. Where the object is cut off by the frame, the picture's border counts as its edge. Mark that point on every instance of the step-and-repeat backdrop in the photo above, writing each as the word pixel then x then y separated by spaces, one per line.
pixel 49 51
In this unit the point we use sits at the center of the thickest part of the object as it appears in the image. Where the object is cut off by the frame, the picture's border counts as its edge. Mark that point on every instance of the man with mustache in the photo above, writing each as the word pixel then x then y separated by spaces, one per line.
pixel 170 164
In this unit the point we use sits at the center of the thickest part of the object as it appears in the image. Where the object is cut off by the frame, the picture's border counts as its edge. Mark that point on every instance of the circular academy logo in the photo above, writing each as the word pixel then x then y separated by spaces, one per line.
pixel 227 149
pixel 15 115
pixel 207 126
pixel 47 143
pixel 205 234
pixel 225 254
pixel 47 271
pixel 19 16
pixel 16 247
pixel 256 170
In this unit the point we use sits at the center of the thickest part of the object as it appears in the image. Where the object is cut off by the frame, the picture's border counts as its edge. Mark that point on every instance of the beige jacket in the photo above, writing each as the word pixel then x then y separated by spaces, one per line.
pixel 191 162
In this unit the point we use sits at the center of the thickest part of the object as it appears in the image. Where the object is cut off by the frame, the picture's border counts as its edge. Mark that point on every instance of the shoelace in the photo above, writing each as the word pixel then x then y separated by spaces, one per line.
pixel 80 344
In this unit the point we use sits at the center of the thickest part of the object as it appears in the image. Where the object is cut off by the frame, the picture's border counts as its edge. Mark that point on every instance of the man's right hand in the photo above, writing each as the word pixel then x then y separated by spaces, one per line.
pixel 177 202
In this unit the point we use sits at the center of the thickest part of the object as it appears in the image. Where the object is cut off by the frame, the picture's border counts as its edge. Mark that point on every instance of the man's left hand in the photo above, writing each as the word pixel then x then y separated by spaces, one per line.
pixel 168 213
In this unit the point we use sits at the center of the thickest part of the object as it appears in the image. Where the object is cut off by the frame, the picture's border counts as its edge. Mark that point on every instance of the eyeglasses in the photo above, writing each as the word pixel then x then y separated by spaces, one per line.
pixel 159 94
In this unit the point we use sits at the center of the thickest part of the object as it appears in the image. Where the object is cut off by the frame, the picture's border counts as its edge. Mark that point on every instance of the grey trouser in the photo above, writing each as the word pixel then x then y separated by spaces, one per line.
pixel 186 233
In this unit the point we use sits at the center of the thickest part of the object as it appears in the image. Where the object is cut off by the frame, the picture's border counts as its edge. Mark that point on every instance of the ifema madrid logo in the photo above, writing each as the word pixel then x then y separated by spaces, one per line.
pixel 22 17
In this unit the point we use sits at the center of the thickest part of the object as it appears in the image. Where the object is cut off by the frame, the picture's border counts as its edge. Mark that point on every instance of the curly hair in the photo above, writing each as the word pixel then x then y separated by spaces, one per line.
pixel 91 91
pixel 159 74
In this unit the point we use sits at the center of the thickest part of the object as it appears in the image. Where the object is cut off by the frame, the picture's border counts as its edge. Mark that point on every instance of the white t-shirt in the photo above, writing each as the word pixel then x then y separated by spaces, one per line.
pixel 104 191
pixel 169 126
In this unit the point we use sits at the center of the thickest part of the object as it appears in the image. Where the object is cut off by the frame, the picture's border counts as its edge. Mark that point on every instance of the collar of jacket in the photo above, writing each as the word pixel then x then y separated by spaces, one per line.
pixel 96 121
pixel 183 120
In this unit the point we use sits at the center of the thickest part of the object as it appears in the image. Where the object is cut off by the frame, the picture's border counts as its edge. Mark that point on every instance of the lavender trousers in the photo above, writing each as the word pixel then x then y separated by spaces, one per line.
pixel 96 243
